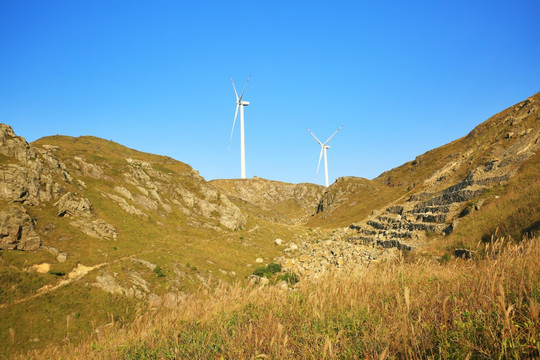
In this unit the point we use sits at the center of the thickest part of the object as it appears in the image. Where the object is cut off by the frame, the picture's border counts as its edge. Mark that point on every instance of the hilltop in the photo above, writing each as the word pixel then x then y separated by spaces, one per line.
pixel 93 232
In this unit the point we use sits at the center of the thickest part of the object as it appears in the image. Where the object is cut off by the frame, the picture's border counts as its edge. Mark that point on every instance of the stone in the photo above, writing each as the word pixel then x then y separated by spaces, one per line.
pixel 62 257
pixel 17 230
pixel 73 204
pixel 95 228
pixel 259 260
pixel 278 242
pixel 42 268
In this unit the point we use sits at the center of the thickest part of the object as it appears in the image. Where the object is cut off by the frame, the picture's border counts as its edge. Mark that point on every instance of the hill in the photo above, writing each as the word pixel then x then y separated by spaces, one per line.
pixel 92 229
pixel 93 234
pixel 432 192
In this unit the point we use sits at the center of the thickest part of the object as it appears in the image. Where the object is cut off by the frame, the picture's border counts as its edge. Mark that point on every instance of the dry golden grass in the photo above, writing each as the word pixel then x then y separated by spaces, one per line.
pixel 461 309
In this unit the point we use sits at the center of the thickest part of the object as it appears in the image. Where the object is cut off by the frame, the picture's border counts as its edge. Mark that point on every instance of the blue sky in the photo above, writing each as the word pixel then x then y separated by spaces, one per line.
pixel 402 77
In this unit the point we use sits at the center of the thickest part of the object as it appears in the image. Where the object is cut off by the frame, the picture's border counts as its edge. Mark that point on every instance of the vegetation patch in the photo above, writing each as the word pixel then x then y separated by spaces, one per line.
pixel 267 271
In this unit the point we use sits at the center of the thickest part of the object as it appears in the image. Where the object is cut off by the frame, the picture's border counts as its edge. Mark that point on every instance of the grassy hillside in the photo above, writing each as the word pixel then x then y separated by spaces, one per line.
pixel 482 309
pixel 511 209
pixel 191 248
pixel 351 199
pixel 127 235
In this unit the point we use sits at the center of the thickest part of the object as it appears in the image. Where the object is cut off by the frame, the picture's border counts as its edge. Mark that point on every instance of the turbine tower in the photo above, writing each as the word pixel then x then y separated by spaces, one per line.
pixel 240 104
pixel 324 147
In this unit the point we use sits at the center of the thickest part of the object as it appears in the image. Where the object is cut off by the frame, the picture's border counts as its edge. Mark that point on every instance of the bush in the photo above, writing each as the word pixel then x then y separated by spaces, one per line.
pixel 268 270
pixel 446 258
pixel 159 272
pixel 273 268
pixel 260 271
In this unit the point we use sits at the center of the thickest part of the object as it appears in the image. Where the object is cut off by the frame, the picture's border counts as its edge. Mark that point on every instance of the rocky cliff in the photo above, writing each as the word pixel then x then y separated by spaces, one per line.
pixel 291 202
pixel 47 173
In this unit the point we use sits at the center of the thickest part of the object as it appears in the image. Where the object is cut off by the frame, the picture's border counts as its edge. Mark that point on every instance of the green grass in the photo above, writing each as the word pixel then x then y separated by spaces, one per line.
pixel 164 239
pixel 483 309
pixel 511 210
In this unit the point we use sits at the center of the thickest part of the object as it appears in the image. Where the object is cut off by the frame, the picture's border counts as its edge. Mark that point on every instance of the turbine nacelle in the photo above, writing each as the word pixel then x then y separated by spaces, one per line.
pixel 243 103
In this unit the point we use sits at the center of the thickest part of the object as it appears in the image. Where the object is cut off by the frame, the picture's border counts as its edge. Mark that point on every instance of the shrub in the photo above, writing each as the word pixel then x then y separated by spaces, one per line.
pixel 267 271
pixel 289 277
pixel 159 272
pixel 260 271
pixel 446 258
pixel 273 268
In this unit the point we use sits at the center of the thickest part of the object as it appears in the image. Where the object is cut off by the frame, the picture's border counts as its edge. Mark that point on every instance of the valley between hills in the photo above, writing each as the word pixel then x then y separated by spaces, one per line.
pixel 108 252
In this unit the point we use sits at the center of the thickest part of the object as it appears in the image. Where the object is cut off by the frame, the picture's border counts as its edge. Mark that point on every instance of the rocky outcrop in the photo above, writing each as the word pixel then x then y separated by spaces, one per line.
pixel 124 205
pixel 487 157
pixel 191 195
pixel 17 230
pixel 15 146
pixel 75 205
pixel 72 204
pixel 96 228
pixel 295 201
pixel 312 260
pixel 29 177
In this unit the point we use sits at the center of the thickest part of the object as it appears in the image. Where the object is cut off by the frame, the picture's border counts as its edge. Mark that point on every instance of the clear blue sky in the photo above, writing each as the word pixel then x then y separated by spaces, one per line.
pixel 403 77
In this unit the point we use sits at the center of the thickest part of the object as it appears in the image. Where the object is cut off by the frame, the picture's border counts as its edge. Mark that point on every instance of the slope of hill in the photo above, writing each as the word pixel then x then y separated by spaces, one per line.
pixel 90 229
pixel 428 194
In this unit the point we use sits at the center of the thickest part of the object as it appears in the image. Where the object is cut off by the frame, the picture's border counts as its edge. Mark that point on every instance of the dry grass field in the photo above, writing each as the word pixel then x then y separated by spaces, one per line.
pixel 483 308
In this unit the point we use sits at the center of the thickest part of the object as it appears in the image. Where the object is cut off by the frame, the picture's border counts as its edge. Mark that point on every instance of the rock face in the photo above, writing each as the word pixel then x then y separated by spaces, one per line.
pixel 295 202
pixel 28 176
pixel 314 260
pixel 33 175
pixel 17 230
pixel 161 191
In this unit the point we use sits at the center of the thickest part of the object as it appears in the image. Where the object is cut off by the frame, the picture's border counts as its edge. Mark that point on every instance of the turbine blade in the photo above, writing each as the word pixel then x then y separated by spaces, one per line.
pixel 242 94
pixel 315 137
pixel 232 131
pixel 234 87
pixel 319 164
pixel 333 135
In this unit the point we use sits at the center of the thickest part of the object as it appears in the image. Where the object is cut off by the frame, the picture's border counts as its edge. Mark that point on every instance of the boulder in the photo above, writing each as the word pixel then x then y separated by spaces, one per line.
pixel 95 228
pixel 73 204
pixel 17 230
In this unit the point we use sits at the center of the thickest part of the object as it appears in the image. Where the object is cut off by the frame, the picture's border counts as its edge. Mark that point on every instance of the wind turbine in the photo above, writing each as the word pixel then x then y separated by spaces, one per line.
pixel 323 149
pixel 241 104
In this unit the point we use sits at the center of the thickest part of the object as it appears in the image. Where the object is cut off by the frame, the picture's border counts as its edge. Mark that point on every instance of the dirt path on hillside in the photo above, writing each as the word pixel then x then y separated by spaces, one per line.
pixel 76 274
pixel 81 271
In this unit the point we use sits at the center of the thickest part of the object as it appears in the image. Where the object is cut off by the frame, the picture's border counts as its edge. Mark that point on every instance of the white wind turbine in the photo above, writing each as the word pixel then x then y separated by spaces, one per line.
pixel 241 104
pixel 323 149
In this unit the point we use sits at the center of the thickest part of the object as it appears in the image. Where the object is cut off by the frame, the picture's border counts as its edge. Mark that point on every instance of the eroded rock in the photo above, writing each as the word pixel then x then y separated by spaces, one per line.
pixel 17 230
pixel 73 204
